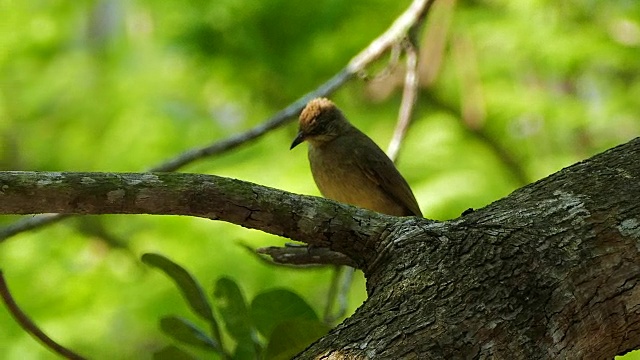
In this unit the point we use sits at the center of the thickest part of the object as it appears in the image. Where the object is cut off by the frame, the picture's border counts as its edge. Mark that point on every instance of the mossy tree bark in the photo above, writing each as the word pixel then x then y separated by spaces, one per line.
pixel 548 272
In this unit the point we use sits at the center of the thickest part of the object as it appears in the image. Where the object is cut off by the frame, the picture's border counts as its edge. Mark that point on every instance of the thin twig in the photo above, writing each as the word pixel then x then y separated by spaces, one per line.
pixel 342 295
pixel 332 293
pixel 342 283
pixel 277 120
pixel 306 255
pixel 414 14
pixel 403 25
pixel 409 96
pixel 265 259
pixel 503 154
pixel 29 326
pixel 30 223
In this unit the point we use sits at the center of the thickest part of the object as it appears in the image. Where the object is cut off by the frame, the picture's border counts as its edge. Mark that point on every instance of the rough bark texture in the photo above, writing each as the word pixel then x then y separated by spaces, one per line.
pixel 315 221
pixel 548 272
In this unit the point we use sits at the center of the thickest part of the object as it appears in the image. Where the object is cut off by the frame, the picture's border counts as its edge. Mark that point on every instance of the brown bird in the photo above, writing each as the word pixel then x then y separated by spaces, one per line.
pixel 348 166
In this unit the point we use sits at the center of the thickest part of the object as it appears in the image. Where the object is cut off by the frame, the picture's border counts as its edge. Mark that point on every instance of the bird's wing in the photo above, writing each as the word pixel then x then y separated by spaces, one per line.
pixel 378 172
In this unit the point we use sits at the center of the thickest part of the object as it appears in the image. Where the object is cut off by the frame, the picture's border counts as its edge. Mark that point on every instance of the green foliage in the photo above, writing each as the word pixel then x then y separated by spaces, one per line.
pixel 172 352
pixel 184 331
pixel 272 307
pixel 292 336
pixel 232 307
pixel 191 290
pixel 112 85
pixel 283 318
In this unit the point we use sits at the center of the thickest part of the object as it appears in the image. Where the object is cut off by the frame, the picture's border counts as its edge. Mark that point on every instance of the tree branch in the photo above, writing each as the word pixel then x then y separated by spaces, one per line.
pixel 401 27
pixel 551 265
pixel 315 221
pixel 29 223
pixel 409 96
pixel 306 255
pixel 29 326
pixel 548 272
pixel 414 14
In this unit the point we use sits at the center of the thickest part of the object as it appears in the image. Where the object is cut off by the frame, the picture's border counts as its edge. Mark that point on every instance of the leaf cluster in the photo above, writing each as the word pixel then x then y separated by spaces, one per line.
pixel 276 324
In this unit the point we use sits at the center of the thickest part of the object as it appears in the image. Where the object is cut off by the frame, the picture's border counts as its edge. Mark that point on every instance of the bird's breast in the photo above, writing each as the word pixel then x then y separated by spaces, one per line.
pixel 340 177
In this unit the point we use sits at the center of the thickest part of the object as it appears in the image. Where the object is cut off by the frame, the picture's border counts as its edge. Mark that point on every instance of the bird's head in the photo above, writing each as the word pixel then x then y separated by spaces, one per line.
pixel 320 122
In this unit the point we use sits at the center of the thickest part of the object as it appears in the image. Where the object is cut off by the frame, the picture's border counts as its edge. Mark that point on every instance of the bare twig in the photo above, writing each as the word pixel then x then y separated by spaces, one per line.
pixel 306 255
pixel 342 294
pixel 29 326
pixel 409 96
pixel 277 120
pixel 267 260
pixel 398 30
pixel 503 154
pixel 414 14
pixel 392 65
pixel 403 25
pixel 332 294
pixel 30 223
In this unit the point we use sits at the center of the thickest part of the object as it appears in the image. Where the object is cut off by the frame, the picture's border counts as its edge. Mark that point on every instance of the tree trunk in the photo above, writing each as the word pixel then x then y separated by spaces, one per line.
pixel 549 272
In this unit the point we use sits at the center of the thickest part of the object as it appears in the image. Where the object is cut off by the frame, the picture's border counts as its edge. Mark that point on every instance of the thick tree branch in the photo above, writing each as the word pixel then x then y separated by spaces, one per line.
pixel 414 14
pixel 316 221
pixel 549 272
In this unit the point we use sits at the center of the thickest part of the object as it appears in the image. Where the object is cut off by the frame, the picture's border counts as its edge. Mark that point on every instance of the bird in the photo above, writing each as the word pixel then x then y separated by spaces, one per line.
pixel 347 166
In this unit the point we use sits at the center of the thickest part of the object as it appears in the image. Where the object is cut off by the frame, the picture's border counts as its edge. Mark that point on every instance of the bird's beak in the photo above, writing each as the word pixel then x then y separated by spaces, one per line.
pixel 299 139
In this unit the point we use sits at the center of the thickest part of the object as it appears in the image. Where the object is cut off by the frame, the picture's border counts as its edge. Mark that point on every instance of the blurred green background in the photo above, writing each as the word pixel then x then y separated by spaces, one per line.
pixel 511 91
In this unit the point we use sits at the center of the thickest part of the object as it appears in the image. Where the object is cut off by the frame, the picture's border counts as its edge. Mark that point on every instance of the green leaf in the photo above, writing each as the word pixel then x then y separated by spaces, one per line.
pixel 172 352
pixel 232 306
pixel 190 288
pixel 184 331
pixel 292 336
pixel 246 351
pixel 270 308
